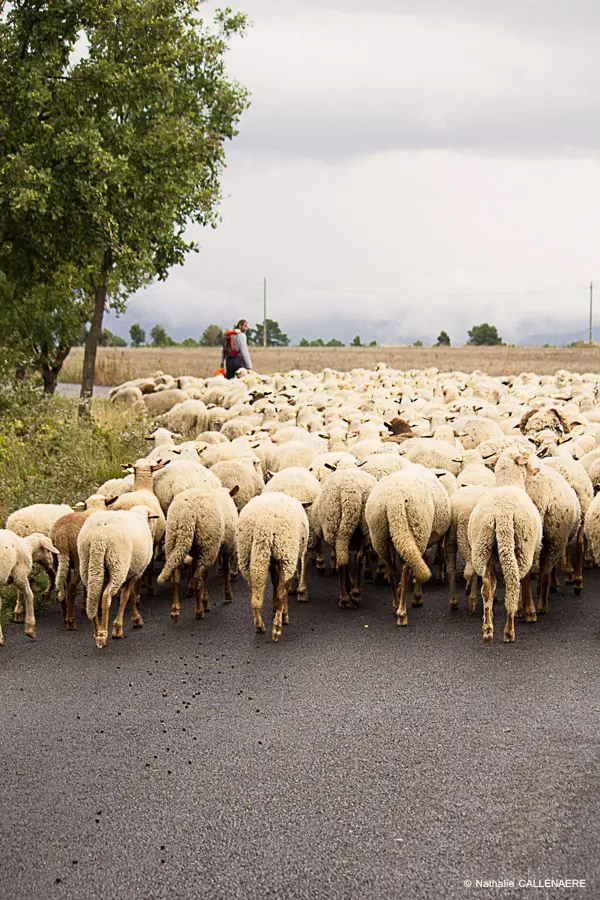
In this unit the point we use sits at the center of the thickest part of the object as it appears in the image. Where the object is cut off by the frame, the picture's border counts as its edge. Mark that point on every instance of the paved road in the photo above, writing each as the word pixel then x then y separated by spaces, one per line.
pixel 351 760
pixel 72 390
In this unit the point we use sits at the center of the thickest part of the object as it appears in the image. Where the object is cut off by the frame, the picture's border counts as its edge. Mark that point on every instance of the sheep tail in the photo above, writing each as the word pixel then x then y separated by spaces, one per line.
pixel 178 543
pixel 505 541
pixel 96 576
pixel 260 559
pixel 405 544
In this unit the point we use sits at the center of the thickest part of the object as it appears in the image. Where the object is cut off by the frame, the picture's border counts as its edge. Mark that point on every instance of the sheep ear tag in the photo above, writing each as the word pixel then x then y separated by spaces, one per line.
pixel 234 490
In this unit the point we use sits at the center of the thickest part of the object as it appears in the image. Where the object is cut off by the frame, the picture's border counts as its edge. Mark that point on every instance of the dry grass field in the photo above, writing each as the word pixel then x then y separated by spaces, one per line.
pixel 113 366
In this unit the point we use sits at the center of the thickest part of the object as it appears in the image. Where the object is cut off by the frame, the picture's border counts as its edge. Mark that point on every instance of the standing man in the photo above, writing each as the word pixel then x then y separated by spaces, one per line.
pixel 234 354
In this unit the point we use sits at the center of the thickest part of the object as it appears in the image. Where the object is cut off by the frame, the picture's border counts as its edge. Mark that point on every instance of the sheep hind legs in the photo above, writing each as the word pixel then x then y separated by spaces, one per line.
pixel 101 624
pixel 580 548
pixel 526 608
pixel 68 604
pixel 176 603
pixel 201 591
pixel 280 601
pixel 487 593
pixel 126 590
pixel 359 568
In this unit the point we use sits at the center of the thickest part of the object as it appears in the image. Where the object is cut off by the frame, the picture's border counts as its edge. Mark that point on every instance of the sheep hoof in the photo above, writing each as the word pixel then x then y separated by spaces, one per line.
pixel 175 617
pixel 577 590
pixel 1 640
pixel 417 601
pixel 260 627
pixel 30 632
pixel 137 622
pixel 117 632
pixel 275 634
pixel 588 564
pixel 569 578
pixel 234 576
pixel 454 604
pixel 509 637
pixel 472 609
pixel 402 619
pixel 286 620
pixel 343 603
pixel 228 598
pixel 530 617
pixel 303 596
pixel 199 613
pixel 70 624
pixel 321 571
pixel 101 639
pixel 488 636
pixel 19 617
pixel 541 609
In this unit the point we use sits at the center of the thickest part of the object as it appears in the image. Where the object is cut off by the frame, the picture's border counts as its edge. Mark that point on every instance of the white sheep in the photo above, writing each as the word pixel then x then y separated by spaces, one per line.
pixel 37 519
pixel 240 473
pixel 399 515
pixel 201 523
pixel 181 476
pixel 17 556
pixel 115 549
pixel 272 537
pixel 339 518
pixel 301 484
pixel 505 527
pixel 462 504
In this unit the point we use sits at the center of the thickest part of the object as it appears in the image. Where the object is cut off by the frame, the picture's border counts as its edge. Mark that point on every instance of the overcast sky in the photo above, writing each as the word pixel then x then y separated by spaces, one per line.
pixel 421 165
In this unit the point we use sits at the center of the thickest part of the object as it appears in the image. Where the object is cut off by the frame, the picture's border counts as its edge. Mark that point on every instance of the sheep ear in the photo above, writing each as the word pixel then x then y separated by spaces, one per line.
pixel 78 506
pixel 330 466
pixel 360 463
pixel 439 473
pixel 160 465
pixel 127 467
pixel 492 460
pixel 111 500
pixel 269 473
pixel 388 425
pixel 148 437
pixel 307 504
pixel 234 490
pixel 521 460
pixel 153 516
pixel 458 459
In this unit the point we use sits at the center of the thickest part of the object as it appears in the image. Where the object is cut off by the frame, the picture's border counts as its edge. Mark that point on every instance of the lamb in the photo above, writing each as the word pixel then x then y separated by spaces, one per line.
pixel 505 526
pixel 181 476
pixel 127 397
pixel 399 515
pixel 243 474
pixel 37 519
pixel 301 484
pixel 17 556
pixel 143 495
pixel 64 534
pixel 115 549
pixel 339 518
pixel 201 523
pixel 273 537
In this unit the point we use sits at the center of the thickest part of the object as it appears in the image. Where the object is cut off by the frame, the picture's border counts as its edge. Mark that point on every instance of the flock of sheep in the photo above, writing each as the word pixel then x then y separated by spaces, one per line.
pixel 259 473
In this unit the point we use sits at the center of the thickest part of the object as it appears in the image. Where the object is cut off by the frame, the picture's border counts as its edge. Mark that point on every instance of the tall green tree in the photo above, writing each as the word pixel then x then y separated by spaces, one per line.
pixel 107 158
pixel 137 335
pixel 212 336
pixel 443 339
pixel 159 337
pixel 484 334
pixel 356 342
pixel 334 342
pixel 275 336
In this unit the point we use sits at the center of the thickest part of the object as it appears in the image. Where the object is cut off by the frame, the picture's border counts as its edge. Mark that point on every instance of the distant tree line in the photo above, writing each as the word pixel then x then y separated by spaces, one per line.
pixel 212 336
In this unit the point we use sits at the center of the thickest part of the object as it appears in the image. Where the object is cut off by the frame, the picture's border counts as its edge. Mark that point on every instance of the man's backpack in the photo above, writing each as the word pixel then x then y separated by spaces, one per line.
pixel 229 344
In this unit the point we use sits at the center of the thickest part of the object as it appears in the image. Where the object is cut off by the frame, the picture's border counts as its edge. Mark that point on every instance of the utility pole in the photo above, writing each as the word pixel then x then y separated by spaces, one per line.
pixel 591 308
pixel 264 312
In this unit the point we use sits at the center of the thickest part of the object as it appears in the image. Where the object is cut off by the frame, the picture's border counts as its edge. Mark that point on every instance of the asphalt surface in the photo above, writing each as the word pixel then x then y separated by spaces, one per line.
pixel 353 759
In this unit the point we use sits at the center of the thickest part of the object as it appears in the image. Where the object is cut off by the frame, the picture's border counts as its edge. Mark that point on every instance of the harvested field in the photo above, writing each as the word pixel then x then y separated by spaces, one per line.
pixel 114 366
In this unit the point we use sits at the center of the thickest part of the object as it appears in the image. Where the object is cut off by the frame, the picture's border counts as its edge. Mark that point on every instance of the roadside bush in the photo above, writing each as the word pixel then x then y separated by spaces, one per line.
pixel 49 455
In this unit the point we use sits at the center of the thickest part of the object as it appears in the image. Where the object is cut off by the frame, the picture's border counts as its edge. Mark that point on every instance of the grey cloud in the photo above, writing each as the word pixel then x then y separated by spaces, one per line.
pixel 331 86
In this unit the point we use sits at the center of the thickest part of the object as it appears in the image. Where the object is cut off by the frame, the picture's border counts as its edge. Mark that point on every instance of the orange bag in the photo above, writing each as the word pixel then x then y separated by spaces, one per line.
pixel 219 371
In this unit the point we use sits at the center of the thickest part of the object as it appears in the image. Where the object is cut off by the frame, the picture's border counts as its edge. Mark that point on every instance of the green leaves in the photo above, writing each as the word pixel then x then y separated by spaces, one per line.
pixel 108 153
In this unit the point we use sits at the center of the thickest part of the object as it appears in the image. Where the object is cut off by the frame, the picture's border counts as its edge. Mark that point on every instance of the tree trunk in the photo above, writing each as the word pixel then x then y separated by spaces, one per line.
pixel 91 345
pixel 49 377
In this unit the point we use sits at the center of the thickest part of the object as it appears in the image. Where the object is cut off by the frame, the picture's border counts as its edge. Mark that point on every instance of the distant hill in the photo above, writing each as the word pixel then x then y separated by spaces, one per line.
pixel 559 338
